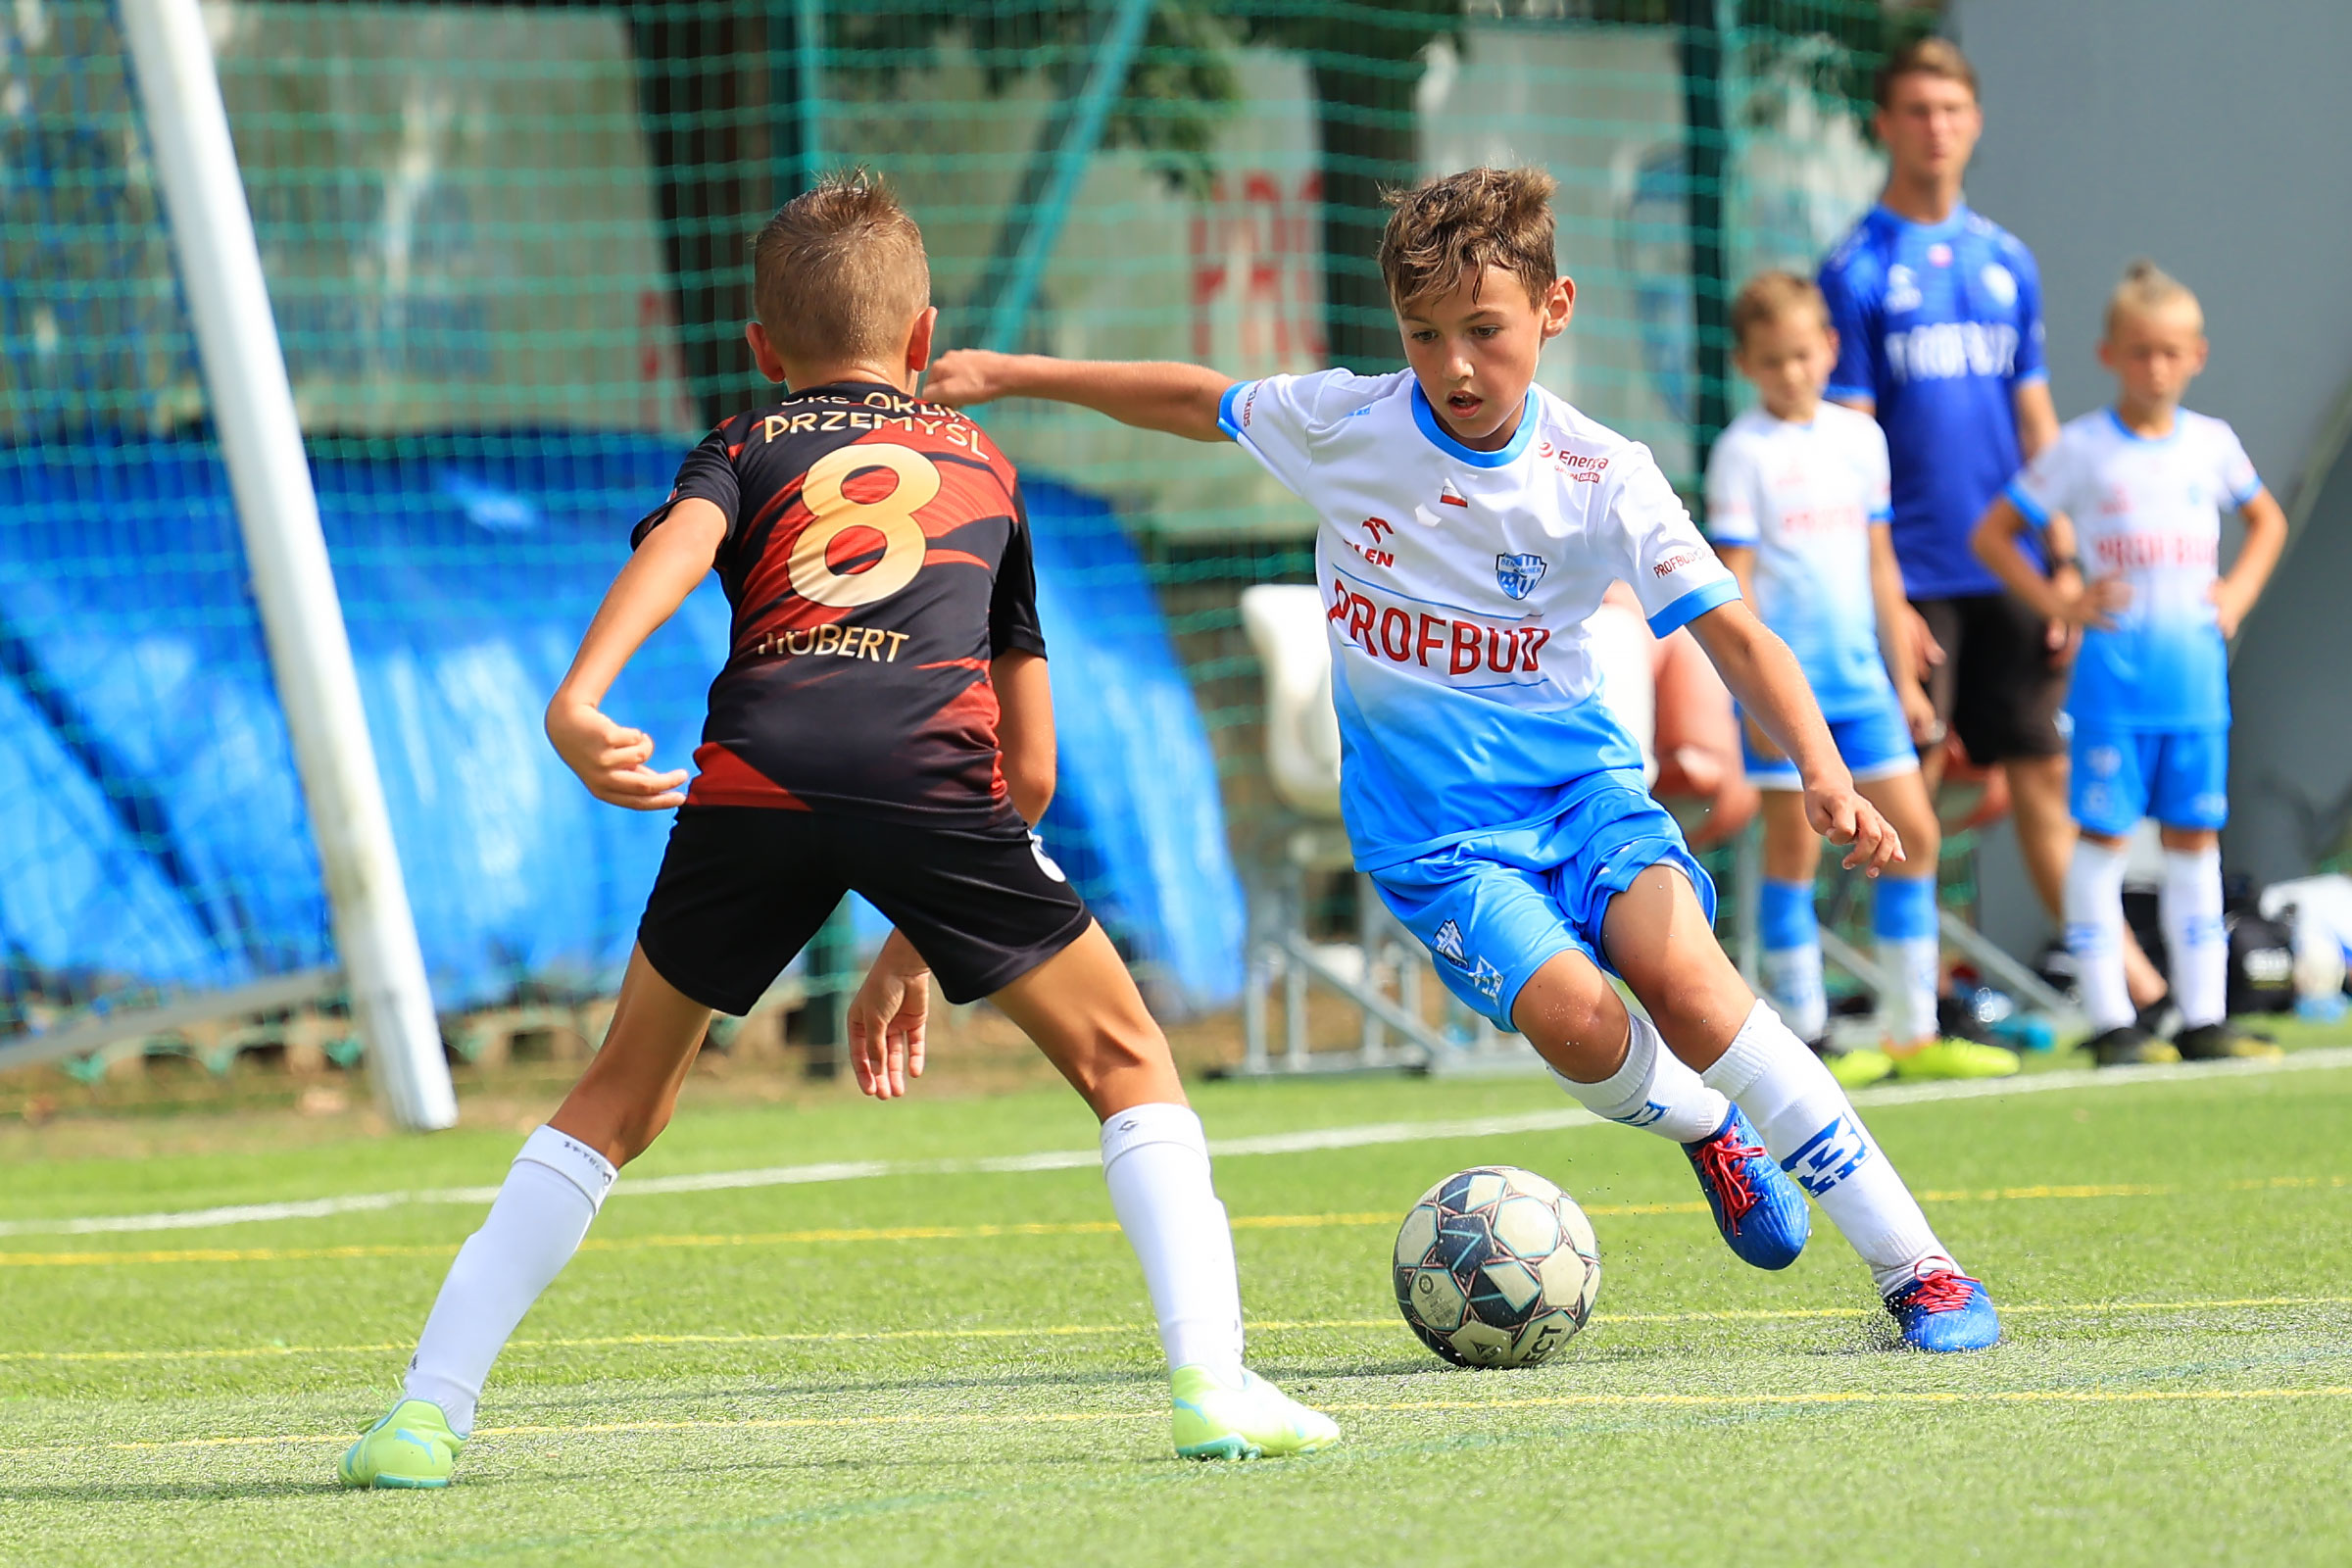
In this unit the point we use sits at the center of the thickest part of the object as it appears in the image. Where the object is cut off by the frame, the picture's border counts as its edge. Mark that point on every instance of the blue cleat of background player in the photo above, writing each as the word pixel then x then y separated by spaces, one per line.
pixel 1946 1310
pixel 1759 1210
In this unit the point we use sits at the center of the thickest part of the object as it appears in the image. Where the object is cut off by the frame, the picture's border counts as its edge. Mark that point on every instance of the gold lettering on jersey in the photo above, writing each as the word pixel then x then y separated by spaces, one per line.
pixel 896 411
pixel 833 514
pixel 834 640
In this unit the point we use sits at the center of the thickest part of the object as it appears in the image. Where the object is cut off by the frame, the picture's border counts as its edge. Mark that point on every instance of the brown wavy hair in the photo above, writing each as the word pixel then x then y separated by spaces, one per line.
pixel 1476 219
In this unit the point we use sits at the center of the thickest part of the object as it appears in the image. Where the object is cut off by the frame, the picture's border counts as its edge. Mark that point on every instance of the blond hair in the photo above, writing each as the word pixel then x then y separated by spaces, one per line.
pixel 839 272
pixel 1476 219
pixel 2147 288
pixel 1767 297
pixel 1940 58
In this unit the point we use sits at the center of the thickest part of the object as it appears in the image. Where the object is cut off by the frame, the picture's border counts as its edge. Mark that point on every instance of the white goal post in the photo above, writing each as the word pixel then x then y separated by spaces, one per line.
pixel 310 650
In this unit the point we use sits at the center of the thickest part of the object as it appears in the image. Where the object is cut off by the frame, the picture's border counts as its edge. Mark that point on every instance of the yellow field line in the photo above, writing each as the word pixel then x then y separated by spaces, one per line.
pixel 1091 1330
pixel 1103 1227
pixel 1553 1401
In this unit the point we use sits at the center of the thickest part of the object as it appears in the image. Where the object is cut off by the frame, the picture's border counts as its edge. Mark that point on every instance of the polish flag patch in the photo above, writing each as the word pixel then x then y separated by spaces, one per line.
pixel 1448 496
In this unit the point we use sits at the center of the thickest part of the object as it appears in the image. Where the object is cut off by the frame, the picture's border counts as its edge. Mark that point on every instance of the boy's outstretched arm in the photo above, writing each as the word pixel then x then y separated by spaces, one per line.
pixel 610 759
pixel 1764 675
pixel 1148 394
pixel 2265 540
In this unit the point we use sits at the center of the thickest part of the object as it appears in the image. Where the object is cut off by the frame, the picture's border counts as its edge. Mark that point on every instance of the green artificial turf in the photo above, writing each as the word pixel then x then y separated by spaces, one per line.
pixel 785 1374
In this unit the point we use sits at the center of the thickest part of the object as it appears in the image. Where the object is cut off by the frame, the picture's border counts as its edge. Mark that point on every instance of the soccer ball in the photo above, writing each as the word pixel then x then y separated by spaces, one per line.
pixel 1496 1266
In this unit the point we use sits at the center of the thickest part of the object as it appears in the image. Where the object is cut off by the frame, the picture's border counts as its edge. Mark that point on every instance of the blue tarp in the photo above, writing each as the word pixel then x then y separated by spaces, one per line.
pixel 150 827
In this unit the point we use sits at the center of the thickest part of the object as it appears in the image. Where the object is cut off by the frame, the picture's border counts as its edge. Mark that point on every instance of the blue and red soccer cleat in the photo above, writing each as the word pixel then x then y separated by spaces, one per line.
pixel 1759 1209
pixel 1946 1310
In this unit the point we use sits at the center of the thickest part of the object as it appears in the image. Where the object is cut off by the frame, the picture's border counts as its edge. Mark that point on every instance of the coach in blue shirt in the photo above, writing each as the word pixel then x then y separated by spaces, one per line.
pixel 1939 318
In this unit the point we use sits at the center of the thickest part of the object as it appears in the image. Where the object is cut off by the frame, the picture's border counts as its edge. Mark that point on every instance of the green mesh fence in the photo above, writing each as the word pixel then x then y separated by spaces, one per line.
pixel 506 248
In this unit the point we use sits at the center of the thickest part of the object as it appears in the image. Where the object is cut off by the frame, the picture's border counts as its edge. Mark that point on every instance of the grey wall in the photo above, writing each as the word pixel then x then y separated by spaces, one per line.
pixel 2216 138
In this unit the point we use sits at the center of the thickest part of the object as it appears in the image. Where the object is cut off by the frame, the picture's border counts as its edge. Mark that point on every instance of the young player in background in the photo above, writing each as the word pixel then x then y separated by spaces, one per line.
pixel 2144 483
pixel 1940 337
pixel 1797 509
pixel 883 724
pixel 1470 523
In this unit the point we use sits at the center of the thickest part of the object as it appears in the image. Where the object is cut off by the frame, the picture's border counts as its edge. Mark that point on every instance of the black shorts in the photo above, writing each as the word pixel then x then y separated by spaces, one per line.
pixel 743 888
pixel 1999 687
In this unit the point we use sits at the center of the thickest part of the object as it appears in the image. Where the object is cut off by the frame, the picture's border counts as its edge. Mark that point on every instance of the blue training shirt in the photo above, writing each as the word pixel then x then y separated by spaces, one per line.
pixel 1938 324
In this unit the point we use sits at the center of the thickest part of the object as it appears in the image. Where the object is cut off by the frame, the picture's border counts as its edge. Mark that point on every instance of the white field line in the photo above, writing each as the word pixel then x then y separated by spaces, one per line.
pixel 1315 1139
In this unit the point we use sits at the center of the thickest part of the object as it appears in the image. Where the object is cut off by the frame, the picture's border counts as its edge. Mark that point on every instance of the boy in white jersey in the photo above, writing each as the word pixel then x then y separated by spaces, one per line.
pixel 1470 524
pixel 1797 505
pixel 2143 484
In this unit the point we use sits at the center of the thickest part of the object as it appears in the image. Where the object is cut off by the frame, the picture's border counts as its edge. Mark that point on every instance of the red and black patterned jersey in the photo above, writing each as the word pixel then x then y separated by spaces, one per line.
pixel 878 556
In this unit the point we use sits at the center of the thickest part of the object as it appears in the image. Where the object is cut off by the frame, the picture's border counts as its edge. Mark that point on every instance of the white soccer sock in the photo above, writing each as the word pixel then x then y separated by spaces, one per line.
pixel 1156 1163
pixel 1793 980
pixel 2094 932
pixel 1654 1091
pixel 1792 957
pixel 552 1193
pixel 1810 1127
pixel 1910 952
pixel 2195 938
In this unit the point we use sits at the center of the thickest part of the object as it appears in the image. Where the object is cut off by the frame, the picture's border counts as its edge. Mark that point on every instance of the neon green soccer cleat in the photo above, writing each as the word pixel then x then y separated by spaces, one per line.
pixel 1255 1420
pixel 413 1446
pixel 1955 1058
pixel 1859 1068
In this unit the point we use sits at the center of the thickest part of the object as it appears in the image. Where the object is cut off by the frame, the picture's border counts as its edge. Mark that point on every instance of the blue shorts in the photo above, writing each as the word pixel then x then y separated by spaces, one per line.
pixel 1875 745
pixel 2181 777
pixel 1494 909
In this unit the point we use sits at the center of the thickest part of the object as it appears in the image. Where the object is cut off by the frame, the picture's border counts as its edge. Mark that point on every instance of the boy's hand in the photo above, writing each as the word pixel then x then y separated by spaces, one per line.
pixel 1841 815
pixel 2093 605
pixel 1919 712
pixel 2230 604
pixel 610 757
pixel 962 377
pixel 1928 651
pixel 887 1019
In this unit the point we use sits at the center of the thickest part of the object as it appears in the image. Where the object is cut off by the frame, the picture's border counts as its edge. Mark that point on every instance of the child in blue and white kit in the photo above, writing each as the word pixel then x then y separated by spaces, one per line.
pixel 2143 484
pixel 1470 523
pixel 1798 507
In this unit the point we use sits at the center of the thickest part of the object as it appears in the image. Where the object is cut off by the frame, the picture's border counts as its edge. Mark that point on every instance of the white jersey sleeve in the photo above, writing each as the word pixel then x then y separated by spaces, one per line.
pixel 1277 419
pixel 1731 491
pixel 1650 541
pixel 1878 480
pixel 2234 477
pixel 2049 483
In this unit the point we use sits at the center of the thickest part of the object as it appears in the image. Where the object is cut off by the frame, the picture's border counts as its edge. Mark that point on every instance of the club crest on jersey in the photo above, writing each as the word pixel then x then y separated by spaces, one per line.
pixel 1902 289
pixel 1447 944
pixel 1448 496
pixel 1519 574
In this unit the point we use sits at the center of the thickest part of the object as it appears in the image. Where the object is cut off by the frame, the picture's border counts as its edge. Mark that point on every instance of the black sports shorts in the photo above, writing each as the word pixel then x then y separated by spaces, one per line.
pixel 743 888
pixel 1999 687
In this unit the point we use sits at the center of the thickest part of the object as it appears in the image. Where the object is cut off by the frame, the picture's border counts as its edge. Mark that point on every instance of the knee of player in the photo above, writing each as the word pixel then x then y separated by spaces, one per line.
pixel 1584 1017
pixel 1697 1008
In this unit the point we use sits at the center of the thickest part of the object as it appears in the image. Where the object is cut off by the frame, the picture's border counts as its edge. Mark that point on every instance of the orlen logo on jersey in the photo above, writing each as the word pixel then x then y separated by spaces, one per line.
pixel 1415 636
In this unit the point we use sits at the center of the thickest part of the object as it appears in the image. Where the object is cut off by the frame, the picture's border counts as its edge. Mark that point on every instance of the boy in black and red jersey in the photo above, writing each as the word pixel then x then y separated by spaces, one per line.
pixel 883 725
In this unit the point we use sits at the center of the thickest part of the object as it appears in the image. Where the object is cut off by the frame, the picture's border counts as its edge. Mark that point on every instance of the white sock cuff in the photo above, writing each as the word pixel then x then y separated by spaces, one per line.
pixel 1640 1061
pixel 2194 863
pixel 1750 1053
pixel 571 1159
pixel 2101 861
pixel 1137 1126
